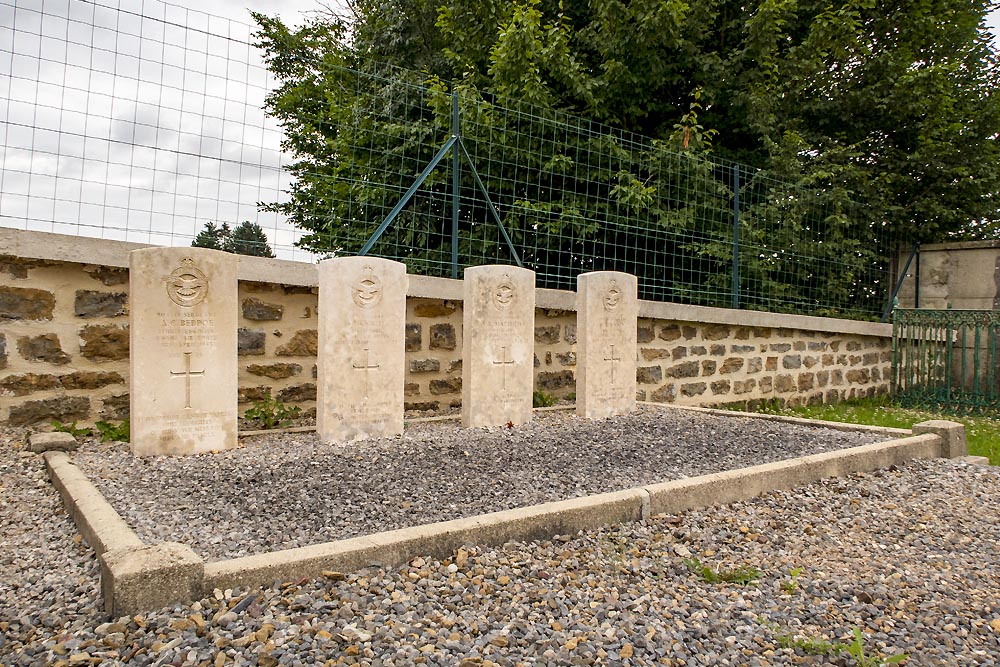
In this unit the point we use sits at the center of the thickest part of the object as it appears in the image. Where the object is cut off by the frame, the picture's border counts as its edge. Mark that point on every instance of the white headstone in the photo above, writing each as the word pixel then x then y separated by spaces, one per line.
pixel 182 335
pixel 498 345
pixel 606 312
pixel 362 337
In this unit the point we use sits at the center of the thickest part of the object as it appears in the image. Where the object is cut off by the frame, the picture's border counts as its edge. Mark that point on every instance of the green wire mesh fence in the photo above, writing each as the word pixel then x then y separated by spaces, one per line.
pixel 946 357
pixel 407 169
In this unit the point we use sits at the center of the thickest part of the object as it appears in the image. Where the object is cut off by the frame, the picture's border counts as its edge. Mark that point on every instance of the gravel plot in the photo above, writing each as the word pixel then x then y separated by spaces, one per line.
pixel 288 490
pixel 908 555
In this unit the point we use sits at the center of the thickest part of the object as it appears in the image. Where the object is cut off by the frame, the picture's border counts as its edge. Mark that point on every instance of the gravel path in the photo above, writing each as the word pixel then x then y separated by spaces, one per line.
pixel 283 491
pixel 907 555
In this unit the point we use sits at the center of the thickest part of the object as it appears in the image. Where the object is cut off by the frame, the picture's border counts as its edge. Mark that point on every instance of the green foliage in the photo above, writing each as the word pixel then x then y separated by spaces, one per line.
pixel 743 576
pixel 791 584
pixel 247 238
pixel 70 428
pixel 855 649
pixel 271 413
pixel 111 432
pixel 982 431
pixel 540 399
pixel 859 134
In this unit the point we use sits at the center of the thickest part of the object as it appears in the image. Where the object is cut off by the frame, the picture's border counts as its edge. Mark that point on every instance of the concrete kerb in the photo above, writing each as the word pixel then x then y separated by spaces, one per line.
pixel 137 578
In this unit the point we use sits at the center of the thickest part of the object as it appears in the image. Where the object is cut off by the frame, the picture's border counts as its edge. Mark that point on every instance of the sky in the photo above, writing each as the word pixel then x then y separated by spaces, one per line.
pixel 142 120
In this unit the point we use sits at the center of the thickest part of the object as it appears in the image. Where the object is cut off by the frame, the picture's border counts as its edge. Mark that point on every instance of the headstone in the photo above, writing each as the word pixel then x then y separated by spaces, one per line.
pixel 498 345
pixel 182 336
pixel 606 312
pixel 362 333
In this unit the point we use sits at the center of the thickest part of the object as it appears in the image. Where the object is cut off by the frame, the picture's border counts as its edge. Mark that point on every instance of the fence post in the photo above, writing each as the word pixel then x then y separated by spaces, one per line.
pixel 736 236
pixel 456 167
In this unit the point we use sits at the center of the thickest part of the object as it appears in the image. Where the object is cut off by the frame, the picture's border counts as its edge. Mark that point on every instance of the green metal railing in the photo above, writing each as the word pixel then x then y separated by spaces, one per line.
pixel 946 357
pixel 561 194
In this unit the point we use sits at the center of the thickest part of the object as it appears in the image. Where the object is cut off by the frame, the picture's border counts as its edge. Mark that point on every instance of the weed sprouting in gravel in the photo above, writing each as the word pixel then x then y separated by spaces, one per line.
pixel 791 584
pixel 111 432
pixel 743 576
pixel 271 413
pixel 70 428
pixel 854 651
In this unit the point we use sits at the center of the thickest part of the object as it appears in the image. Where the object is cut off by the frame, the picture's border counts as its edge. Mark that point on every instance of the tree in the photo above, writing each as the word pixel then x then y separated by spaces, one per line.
pixel 212 236
pixel 247 238
pixel 862 123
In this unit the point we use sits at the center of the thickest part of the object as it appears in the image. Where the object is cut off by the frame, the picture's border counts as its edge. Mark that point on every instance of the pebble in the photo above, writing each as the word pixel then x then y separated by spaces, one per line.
pixel 919 540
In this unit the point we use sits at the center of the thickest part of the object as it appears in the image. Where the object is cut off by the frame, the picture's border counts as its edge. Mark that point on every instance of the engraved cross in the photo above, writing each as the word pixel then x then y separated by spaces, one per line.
pixel 366 367
pixel 187 374
pixel 505 362
pixel 614 360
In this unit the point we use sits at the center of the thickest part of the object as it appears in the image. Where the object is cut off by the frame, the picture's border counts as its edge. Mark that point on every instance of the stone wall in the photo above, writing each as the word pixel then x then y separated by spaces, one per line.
pixel 64 340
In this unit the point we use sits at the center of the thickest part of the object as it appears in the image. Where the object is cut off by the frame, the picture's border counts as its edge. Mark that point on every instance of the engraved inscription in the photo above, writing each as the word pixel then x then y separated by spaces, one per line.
pixel 187 374
pixel 614 362
pixel 367 292
pixel 187 285
pixel 504 363
pixel 504 293
pixel 366 366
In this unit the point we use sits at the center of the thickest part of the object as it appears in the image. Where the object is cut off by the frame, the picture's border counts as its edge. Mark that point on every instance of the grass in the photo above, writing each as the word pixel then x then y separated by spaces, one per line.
pixel 982 431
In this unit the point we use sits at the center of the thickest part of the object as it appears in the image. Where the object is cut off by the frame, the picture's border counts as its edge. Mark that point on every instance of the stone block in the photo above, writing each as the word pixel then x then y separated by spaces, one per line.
pixel 806 381
pixel 547 335
pixel 425 365
pixel 362 366
pixel 689 332
pixel 63 409
pixel 443 337
pixel 250 342
pixel 455 366
pixel 108 275
pixel 413 337
pixel 434 308
pixel 784 384
pixel 3 351
pixel 278 371
pixel 446 386
pixel 411 389
pixel 423 406
pixel 305 343
pixel 566 359
pixel 731 365
pixel 791 361
pixel 687 369
pixel 708 367
pixel 554 380
pixel 771 364
pixel 27 383
pixel 649 375
pixel 780 347
pixel 743 333
pixel 299 393
pixel 716 332
pixel 717 350
pixel 93 303
pixel 644 335
pixel 55 442
pixel 754 365
pixel 742 349
pixel 665 394
pixel 252 394
pixel 183 370
pixel 859 376
pixel 44 347
pixel 115 407
pixel 952 434
pixel 140 579
pixel 766 384
pixel 90 379
pixel 670 332
pixel 497 345
pixel 261 311
pixel 809 361
pixel 698 350
pixel 693 389
pixel 744 386
pixel 721 387
pixel 104 342
pixel 570 334
pixel 25 303
pixel 678 352
pixel 799 345
pixel 762 332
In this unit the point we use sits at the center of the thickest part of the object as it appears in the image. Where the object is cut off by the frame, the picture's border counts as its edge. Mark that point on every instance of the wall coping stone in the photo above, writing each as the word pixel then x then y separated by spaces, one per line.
pixel 959 245
pixel 67 248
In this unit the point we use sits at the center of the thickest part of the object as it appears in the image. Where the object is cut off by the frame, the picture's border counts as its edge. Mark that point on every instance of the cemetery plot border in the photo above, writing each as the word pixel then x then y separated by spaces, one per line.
pixel 137 578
